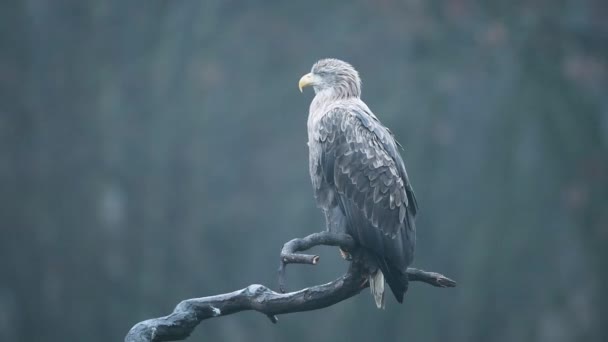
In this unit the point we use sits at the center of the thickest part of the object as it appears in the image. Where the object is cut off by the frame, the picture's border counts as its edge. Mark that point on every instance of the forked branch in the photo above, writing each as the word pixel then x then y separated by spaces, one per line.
pixel 190 312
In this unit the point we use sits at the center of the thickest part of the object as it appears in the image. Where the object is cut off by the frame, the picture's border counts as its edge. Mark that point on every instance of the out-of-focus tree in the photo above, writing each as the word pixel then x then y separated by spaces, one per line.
pixel 152 151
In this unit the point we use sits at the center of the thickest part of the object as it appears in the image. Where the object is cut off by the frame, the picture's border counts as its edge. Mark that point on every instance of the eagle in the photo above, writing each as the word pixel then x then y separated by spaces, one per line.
pixel 358 176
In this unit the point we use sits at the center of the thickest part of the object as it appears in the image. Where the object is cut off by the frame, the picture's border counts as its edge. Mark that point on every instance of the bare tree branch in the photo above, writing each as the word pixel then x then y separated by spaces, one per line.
pixel 289 253
pixel 189 313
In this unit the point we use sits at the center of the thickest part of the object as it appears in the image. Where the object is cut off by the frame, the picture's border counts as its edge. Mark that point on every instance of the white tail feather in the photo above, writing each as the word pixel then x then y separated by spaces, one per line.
pixel 376 285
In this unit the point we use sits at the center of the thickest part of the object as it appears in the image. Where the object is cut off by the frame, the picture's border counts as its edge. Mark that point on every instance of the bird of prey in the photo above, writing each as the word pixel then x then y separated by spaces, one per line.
pixel 358 176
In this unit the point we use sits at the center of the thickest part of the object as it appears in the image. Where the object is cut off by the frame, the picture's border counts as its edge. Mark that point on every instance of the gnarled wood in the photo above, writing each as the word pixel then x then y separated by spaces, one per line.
pixel 190 312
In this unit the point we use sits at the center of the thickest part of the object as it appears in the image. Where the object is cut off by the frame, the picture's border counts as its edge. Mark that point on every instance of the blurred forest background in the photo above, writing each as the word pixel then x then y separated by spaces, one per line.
pixel 152 151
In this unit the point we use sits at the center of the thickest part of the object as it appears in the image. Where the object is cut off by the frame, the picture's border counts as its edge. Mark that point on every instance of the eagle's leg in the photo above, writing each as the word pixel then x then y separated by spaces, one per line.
pixel 336 223
pixel 345 254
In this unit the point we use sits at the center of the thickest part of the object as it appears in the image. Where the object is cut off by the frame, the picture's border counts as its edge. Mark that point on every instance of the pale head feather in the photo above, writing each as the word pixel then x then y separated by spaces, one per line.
pixel 338 76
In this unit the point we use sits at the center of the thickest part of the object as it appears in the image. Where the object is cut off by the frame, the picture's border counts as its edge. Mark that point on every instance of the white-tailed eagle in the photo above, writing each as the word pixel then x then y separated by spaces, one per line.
pixel 358 176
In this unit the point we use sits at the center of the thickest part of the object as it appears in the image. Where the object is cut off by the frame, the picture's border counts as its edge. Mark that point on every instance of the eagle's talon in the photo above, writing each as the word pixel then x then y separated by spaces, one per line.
pixel 346 255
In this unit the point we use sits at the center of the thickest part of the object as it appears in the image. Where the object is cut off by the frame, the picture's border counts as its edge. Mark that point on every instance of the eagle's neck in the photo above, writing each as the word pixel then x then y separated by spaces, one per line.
pixel 329 96
pixel 322 99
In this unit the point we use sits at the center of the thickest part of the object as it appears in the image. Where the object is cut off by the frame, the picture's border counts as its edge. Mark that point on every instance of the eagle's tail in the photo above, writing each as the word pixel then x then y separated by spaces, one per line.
pixel 376 285
pixel 395 279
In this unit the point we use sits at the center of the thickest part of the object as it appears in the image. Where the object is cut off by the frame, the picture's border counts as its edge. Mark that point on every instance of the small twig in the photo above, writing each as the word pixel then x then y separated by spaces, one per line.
pixel 432 278
pixel 289 253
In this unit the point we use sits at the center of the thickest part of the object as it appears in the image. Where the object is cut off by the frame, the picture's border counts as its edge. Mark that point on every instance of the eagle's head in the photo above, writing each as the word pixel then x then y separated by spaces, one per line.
pixel 335 76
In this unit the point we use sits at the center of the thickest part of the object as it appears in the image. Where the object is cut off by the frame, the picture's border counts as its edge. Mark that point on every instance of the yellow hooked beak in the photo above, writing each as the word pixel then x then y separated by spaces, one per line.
pixel 305 81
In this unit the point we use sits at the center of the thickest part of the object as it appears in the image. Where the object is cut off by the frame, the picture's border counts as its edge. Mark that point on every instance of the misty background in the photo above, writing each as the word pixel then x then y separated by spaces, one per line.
pixel 153 151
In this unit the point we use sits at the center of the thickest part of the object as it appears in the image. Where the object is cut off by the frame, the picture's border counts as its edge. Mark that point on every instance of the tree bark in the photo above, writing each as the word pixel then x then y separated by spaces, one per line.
pixel 190 312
